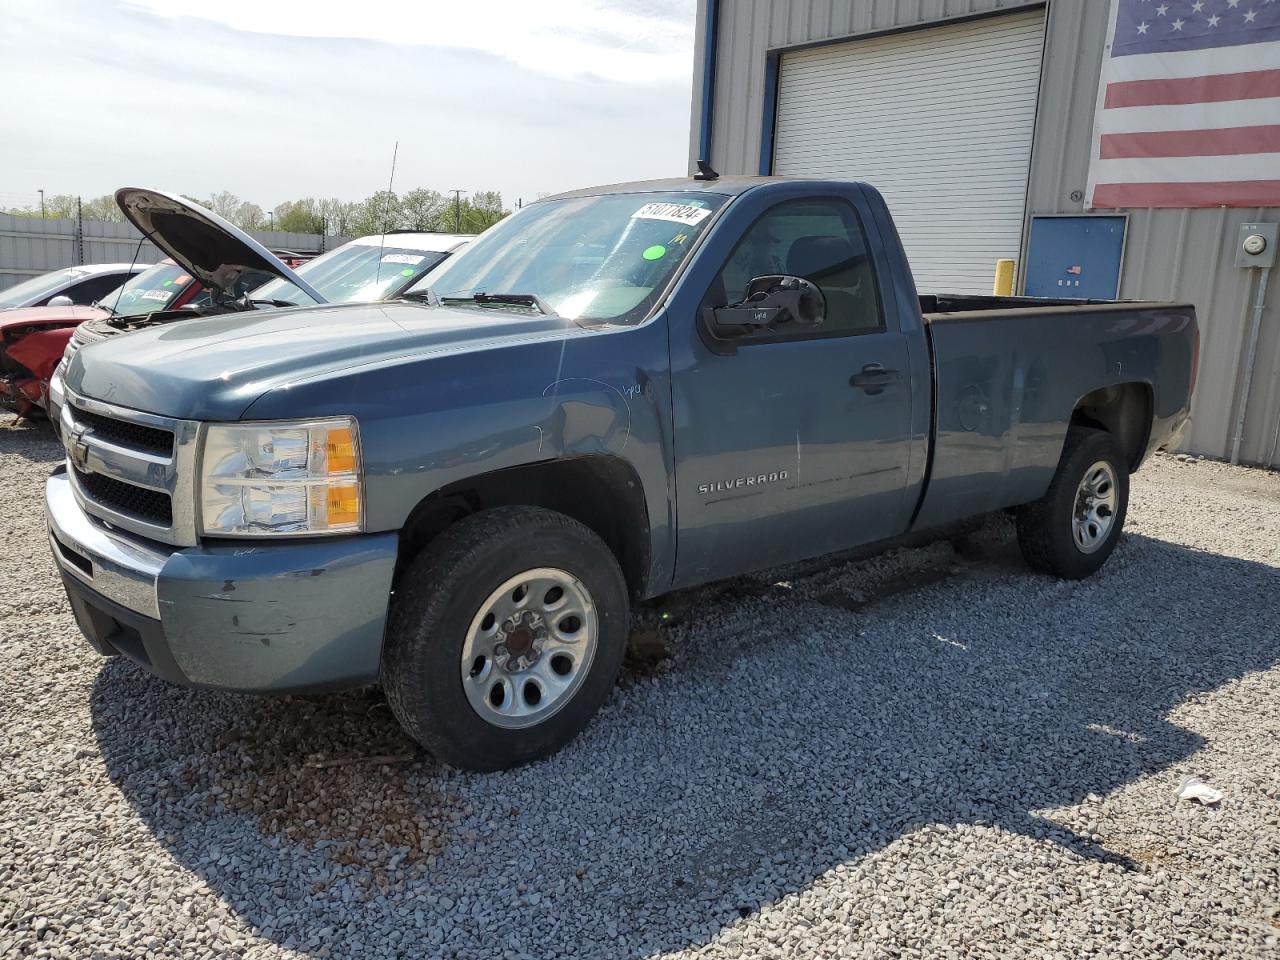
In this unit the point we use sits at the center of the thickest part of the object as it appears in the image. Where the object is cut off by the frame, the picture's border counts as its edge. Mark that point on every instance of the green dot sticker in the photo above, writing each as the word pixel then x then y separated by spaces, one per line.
pixel 168 283
pixel 406 272
pixel 656 252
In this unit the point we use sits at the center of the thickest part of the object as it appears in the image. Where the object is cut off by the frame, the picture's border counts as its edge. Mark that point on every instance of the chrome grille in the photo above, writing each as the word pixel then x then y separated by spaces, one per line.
pixel 133 469
pixel 127 434
pixel 149 505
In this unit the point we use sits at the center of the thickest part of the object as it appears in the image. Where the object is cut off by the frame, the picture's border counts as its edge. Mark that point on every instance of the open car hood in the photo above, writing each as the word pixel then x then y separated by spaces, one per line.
pixel 212 250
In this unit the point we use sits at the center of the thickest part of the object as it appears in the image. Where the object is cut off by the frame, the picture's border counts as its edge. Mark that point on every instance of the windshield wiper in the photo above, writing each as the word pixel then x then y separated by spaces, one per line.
pixel 518 299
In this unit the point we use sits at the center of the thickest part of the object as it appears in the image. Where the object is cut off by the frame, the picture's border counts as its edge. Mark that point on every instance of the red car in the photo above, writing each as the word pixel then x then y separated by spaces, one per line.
pixel 32 339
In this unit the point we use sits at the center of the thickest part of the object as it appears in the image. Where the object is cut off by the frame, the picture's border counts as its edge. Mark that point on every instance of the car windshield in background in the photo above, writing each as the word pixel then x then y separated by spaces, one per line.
pixel 355 273
pixel 37 288
pixel 604 258
pixel 149 291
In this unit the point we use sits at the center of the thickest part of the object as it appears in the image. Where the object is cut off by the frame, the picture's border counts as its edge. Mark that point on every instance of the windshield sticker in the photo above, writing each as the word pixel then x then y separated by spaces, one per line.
pixel 407 272
pixel 161 295
pixel 675 212
pixel 179 281
pixel 411 258
pixel 656 252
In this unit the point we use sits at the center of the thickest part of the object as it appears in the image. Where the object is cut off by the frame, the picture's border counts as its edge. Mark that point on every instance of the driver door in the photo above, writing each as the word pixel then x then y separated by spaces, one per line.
pixel 793 441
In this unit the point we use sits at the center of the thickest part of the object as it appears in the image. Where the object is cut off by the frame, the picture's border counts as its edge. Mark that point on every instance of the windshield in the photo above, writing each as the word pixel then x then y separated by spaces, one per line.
pixel 37 288
pixel 355 273
pixel 153 289
pixel 591 258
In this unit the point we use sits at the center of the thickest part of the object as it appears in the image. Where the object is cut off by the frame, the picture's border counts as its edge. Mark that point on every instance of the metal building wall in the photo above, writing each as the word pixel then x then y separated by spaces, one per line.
pixel 1171 254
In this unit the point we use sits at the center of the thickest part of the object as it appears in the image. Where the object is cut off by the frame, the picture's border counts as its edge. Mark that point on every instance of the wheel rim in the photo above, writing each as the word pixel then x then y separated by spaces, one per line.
pixel 529 648
pixel 1095 509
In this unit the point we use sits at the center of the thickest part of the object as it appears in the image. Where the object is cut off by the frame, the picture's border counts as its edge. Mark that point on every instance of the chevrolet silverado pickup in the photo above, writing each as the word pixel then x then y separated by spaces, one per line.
pixel 612 394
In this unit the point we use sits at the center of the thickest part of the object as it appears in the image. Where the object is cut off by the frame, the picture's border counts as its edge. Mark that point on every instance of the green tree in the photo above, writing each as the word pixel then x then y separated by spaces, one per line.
pixel 299 216
pixel 377 214
pixel 102 208
pixel 249 216
pixel 423 209
pixel 482 210
pixel 224 203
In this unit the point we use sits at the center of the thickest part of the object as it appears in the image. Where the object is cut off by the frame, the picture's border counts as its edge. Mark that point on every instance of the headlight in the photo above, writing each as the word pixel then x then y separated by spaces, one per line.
pixel 284 478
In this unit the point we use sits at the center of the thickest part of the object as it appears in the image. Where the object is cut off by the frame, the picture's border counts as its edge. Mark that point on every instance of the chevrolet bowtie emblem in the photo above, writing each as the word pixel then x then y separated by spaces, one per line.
pixel 78 450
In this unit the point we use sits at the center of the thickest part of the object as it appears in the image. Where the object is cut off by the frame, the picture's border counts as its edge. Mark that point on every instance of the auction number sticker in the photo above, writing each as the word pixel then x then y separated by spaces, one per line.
pixel 675 212
pixel 403 258
pixel 160 295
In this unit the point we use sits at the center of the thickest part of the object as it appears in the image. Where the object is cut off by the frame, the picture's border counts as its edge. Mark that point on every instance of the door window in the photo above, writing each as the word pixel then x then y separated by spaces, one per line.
pixel 821 240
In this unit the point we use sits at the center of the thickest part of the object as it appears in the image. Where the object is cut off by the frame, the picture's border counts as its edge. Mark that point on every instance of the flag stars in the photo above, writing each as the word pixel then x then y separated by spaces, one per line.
pixel 1197 6
pixel 1214 20
pixel 1250 16
pixel 1143 27
pixel 1233 3
pixel 1164 8
pixel 1178 24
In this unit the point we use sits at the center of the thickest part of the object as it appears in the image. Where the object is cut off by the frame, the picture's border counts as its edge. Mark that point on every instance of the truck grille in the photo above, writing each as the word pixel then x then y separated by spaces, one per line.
pixel 149 505
pixel 132 469
pixel 122 433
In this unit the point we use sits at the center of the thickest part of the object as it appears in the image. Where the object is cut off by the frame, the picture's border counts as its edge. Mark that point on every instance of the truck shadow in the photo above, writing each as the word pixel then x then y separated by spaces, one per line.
pixel 977 695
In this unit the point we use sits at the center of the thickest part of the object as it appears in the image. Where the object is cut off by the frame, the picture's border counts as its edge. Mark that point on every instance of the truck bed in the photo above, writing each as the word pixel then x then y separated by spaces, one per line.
pixel 1009 372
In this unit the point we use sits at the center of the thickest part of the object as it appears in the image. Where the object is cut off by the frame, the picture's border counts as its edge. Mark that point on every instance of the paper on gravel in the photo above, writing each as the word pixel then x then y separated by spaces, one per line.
pixel 1193 788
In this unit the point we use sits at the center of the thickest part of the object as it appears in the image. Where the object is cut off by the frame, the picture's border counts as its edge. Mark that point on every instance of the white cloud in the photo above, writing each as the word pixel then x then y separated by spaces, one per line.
pixel 642 44
pixel 480 96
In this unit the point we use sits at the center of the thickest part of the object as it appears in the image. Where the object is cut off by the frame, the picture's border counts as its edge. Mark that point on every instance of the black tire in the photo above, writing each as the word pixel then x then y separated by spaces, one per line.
pixel 1045 527
pixel 439 596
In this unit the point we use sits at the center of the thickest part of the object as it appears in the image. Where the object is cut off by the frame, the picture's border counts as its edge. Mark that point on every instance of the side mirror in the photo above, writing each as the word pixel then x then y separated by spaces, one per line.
pixel 772 302
pixel 61 300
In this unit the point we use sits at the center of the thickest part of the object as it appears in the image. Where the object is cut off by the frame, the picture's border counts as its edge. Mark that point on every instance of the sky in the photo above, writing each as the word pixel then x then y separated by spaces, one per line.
pixel 281 99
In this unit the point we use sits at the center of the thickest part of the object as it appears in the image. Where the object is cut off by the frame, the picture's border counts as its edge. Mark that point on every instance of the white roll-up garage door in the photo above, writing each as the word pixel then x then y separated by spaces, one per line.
pixel 940 120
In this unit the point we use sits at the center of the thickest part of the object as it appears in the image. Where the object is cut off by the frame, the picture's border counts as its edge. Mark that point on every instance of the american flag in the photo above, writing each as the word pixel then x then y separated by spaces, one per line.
pixel 1189 106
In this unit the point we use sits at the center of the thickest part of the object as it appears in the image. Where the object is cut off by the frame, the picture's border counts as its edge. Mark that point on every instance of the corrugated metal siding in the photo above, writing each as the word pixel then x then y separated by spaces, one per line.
pixel 1178 254
pixel 1170 254
pixel 953 109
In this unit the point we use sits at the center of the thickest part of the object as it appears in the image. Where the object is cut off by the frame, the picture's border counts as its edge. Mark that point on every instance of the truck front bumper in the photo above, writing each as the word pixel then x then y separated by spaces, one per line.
pixel 252 616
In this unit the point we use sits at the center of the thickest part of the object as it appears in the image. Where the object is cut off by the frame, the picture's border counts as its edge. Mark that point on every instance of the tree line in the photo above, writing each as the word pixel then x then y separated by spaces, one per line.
pixel 420 209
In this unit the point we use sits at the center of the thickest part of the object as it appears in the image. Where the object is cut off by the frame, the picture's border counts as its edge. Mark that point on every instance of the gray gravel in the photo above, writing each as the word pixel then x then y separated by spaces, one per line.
pixel 929 754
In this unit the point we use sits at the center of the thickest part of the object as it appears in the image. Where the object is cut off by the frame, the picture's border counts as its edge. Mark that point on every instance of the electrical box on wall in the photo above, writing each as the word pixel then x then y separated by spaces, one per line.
pixel 1256 244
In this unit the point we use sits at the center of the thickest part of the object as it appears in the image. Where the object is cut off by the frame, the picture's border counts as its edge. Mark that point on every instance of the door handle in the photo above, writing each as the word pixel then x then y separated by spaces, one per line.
pixel 874 378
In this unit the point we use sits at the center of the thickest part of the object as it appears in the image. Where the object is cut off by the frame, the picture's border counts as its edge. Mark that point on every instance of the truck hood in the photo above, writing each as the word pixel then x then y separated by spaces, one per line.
pixel 213 368
pixel 211 249
pixel 20 317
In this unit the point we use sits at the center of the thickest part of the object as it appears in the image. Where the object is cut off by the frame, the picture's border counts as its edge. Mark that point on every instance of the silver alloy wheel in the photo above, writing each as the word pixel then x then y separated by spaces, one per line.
pixel 529 648
pixel 1095 508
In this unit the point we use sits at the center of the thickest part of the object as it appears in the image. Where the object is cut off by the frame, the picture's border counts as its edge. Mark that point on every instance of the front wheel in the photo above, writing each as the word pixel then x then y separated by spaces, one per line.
pixel 505 638
pixel 1071 531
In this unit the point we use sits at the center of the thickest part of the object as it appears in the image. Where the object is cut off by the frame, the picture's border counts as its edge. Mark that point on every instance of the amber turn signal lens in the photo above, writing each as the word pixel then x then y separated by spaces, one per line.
pixel 340 451
pixel 342 505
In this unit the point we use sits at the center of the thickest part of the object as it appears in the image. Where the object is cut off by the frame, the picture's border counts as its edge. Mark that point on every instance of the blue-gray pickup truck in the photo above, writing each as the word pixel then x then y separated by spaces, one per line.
pixel 610 395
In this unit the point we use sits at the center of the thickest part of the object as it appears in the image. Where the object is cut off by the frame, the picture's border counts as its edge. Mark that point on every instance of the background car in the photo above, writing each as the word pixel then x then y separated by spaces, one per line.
pixel 79 285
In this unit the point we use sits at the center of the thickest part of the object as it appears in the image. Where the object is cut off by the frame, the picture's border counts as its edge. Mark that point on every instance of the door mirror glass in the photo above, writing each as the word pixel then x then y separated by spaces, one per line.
pixel 61 300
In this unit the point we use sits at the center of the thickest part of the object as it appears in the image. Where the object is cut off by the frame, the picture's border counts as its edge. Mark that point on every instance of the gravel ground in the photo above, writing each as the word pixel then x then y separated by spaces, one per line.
pixel 929 754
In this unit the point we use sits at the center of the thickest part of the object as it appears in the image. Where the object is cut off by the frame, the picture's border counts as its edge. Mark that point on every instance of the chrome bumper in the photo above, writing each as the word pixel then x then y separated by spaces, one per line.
pixel 121 568
pixel 296 616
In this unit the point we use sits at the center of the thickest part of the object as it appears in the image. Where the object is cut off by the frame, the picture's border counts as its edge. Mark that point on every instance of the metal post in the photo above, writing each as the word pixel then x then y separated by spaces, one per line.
pixel 457 210
pixel 79 234
pixel 1259 302
pixel 41 192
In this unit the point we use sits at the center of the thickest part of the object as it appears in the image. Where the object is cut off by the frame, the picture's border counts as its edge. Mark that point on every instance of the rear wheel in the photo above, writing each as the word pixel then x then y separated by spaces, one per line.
pixel 1071 531
pixel 505 638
